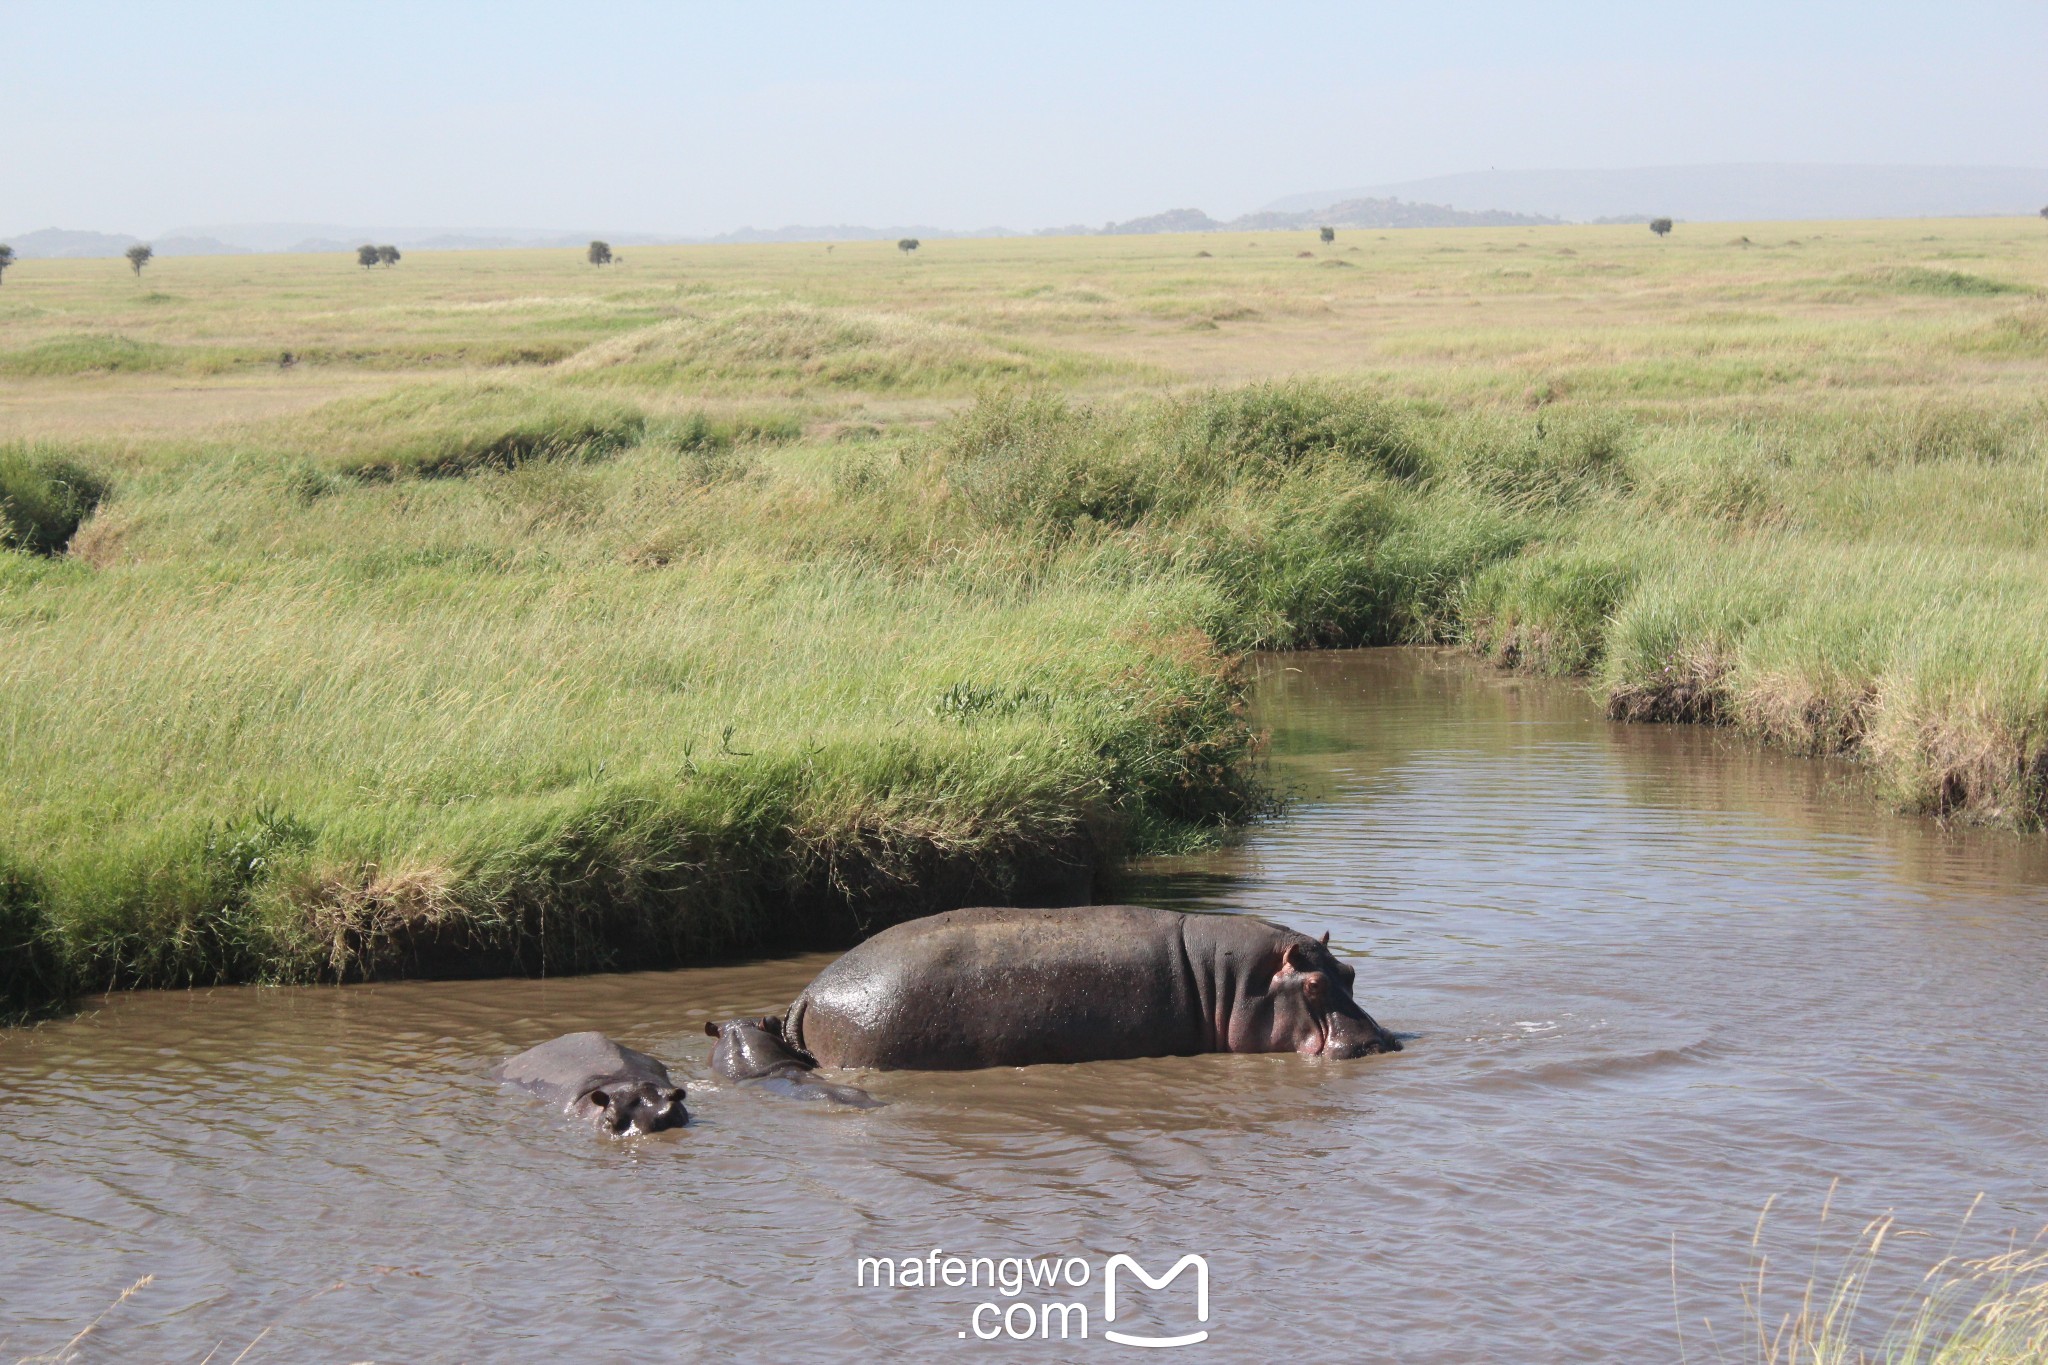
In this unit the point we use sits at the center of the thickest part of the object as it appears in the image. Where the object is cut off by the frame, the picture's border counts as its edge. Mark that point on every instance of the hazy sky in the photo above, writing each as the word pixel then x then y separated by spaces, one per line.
pixel 693 118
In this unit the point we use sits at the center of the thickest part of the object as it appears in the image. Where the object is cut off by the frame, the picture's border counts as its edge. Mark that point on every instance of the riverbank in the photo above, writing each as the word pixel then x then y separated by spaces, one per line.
pixel 537 620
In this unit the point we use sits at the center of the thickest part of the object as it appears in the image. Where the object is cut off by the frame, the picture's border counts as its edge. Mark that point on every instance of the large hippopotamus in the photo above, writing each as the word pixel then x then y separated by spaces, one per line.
pixel 594 1078
pixel 1015 987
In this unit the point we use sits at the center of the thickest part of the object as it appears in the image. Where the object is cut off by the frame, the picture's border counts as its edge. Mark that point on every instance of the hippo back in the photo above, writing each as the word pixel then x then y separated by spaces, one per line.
pixel 565 1067
pixel 1007 987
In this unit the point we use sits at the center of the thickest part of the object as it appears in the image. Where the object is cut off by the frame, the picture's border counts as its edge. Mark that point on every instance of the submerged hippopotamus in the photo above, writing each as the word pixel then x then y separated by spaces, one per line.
pixel 592 1077
pixel 753 1050
pixel 1010 987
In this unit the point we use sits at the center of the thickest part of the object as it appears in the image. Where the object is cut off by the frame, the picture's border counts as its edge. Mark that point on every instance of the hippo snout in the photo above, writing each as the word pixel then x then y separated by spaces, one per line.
pixel 1357 1037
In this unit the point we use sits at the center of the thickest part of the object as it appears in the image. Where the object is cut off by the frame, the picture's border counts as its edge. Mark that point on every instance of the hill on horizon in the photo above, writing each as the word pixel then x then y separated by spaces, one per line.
pixel 1731 192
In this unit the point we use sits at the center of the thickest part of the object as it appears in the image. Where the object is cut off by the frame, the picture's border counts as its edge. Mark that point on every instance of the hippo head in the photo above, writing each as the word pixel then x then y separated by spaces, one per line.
pixel 628 1106
pixel 1312 1011
pixel 749 1048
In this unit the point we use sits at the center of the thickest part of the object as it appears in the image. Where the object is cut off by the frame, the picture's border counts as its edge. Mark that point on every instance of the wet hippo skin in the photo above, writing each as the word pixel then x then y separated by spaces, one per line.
pixel 595 1078
pixel 1020 987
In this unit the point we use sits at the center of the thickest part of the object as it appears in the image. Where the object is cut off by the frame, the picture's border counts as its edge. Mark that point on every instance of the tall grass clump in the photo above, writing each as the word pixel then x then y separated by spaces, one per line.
pixel 44 495
pixel 456 725
pixel 34 973
pixel 1326 515
pixel 796 348
pixel 449 429
pixel 1983 1309
pixel 637 689
pixel 1917 279
pixel 75 355
pixel 1550 609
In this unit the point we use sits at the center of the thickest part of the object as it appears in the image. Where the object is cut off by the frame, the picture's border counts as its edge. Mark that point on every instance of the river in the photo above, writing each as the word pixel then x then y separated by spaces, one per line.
pixel 1649 979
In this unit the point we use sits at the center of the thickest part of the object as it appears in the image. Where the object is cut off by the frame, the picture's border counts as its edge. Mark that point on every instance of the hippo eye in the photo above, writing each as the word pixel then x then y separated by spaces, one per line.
pixel 600 1099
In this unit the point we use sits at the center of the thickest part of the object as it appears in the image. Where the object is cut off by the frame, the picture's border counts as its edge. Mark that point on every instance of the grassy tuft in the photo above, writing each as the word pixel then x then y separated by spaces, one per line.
pixel 1915 279
pixel 796 348
pixel 448 429
pixel 74 355
pixel 44 495
pixel 1966 1310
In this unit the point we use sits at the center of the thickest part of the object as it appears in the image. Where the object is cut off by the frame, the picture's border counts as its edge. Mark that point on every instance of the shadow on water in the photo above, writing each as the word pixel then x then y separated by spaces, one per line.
pixel 1650 977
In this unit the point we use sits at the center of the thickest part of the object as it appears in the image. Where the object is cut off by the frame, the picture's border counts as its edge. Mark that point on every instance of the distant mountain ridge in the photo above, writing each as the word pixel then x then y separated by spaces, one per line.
pixel 1729 192
pixel 1349 213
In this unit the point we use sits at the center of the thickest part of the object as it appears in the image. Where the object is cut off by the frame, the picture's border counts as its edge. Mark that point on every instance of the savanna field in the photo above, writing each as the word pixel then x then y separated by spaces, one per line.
pixel 495 611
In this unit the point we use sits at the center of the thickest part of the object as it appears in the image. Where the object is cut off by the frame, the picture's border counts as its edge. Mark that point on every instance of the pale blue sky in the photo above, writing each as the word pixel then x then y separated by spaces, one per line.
pixel 697 118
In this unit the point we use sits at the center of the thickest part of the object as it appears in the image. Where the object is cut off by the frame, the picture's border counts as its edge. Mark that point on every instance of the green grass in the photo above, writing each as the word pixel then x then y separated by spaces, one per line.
pixel 44 495
pixel 458 428
pixel 543 620
pixel 72 355
pixel 794 348
pixel 1914 279
pixel 634 691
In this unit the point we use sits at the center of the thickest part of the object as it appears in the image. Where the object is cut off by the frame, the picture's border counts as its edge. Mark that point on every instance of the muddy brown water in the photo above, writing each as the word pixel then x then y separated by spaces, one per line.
pixel 1650 978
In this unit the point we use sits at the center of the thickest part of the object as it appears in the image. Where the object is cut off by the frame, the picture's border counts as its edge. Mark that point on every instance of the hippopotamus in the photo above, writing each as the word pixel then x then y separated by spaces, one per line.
pixel 1019 987
pixel 753 1050
pixel 594 1078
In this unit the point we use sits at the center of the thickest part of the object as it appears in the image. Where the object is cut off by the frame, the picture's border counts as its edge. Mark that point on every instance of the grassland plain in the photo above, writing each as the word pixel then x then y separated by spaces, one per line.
pixel 540 616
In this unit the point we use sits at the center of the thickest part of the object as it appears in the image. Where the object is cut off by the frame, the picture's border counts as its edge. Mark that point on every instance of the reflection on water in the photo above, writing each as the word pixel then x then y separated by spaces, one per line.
pixel 1650 978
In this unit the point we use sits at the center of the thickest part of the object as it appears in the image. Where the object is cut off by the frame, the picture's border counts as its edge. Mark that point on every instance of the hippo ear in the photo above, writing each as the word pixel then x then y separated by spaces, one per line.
pixel 1292 959
pixel 710 1029
pixel 1326 938
pixel 600 1099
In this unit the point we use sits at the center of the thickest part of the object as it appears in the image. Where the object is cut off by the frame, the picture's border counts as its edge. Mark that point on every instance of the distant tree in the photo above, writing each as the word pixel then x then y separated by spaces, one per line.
pixel 600 253
pixel 1661 226
pixel 366 256
pixel 2044 213
pixel 7 258
pixel 388 255
pixel 1329 235
pixel 907 245
pixel 138 257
